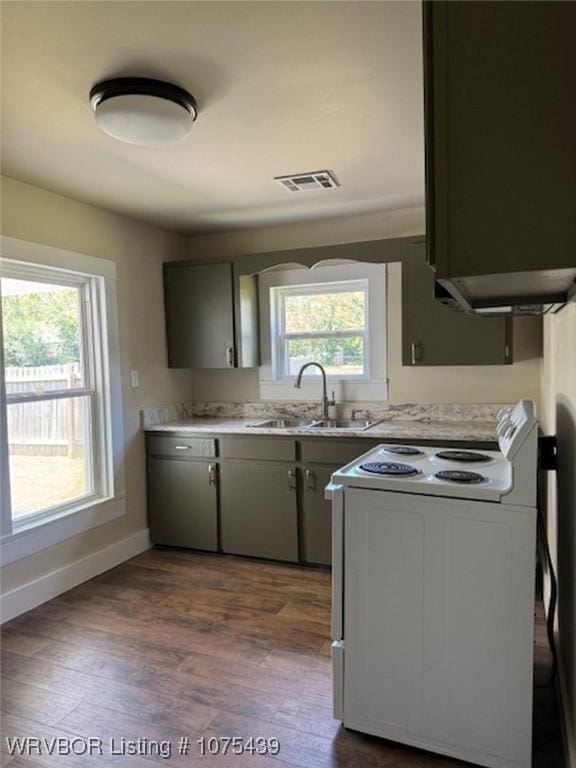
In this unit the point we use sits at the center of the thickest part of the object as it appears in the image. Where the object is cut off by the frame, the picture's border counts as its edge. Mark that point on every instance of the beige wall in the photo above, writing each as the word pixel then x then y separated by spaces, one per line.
pixel 33 214
pixel 462 384
pixel 559 418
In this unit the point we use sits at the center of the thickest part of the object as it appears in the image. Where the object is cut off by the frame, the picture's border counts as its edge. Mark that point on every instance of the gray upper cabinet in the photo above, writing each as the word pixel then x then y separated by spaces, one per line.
pixel 434 334
pixel 211 316
pixel 500 148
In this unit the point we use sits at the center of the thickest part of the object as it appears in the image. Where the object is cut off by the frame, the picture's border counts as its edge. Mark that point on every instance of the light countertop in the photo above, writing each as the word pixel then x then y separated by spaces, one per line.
pixel 432 431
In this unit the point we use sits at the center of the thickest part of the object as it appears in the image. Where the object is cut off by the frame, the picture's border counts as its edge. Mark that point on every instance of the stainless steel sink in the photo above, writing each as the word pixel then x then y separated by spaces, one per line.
pixel 354 425
pixel 285 423
pixel 351 425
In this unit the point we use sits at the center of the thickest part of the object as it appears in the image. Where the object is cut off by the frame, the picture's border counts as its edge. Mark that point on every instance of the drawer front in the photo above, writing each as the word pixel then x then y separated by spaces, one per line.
pixel 182 447
pixel 338 680
pixel 335 451
pixel 274 449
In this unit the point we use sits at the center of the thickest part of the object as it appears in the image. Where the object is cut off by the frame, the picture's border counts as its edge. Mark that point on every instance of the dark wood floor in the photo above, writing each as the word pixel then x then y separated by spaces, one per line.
pixel 174 644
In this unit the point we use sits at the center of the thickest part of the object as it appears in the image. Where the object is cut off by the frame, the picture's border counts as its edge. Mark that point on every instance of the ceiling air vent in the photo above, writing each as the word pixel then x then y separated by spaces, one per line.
pixel 306 182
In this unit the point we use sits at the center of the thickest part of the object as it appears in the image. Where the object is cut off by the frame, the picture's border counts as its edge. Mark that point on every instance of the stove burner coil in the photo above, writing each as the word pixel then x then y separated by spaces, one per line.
pixel 389 468
pixel 460 476
pixel 402 450
pixel 464 456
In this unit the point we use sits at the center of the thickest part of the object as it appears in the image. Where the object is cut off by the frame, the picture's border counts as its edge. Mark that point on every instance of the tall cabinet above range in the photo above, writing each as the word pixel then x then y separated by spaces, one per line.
pixel 501 153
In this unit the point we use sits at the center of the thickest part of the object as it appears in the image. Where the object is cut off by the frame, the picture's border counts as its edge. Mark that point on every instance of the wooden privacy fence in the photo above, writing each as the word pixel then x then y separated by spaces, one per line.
pixel 47 427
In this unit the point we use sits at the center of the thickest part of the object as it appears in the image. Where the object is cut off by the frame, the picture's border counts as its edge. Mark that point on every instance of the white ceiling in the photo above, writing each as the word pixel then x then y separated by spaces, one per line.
pixel 282 87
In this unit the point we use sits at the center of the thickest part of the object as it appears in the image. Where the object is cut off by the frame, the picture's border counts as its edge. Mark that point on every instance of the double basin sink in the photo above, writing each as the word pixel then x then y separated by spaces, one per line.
pixel 352 425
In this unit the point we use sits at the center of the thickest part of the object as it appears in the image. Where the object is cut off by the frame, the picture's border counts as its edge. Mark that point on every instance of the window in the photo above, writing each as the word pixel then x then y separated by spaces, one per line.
pixel 323 322
pixel 333 315
pixel 53 381
pixel 56 425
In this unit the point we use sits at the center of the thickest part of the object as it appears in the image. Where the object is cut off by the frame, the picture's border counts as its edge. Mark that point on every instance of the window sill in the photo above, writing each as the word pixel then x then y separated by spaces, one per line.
pixel 41 533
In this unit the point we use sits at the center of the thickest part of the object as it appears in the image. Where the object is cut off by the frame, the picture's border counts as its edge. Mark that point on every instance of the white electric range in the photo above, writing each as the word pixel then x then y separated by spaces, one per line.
pixel 433 594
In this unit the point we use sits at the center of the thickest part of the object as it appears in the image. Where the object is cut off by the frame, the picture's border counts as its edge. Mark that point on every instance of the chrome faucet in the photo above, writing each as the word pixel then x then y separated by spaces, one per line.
pixel 298 384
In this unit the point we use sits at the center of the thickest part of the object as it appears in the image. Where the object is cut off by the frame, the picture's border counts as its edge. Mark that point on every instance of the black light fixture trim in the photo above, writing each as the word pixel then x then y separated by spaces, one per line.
pixel 142 86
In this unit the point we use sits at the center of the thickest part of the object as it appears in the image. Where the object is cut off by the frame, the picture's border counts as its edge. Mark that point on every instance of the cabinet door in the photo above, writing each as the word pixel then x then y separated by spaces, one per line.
pixel 199 315
pixel 500 127
pixel 182 503
pixel 317 514
pixel 434 334
pixel 258 511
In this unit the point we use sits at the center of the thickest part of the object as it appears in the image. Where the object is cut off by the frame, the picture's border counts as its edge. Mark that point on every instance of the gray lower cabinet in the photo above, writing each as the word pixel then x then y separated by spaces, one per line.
pixel 259 509
pixel 316 514
pixel 259 496
pixel 182 503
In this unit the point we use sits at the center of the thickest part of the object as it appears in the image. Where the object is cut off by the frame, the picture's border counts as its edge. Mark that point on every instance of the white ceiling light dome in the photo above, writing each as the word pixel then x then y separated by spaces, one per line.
pixel 142 111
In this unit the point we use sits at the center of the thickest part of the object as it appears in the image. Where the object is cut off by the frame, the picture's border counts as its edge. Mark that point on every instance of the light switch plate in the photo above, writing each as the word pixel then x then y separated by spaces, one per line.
pixel 134 379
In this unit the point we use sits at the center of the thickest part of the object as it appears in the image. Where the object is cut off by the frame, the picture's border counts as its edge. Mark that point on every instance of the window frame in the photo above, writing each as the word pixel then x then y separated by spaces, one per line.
pixel 280 336
pixel 371 386
pixel 90 294
pixel 96 279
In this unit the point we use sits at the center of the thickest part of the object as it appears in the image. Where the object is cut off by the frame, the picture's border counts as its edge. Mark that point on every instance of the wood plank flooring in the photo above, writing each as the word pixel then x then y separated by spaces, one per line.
pixel 173 644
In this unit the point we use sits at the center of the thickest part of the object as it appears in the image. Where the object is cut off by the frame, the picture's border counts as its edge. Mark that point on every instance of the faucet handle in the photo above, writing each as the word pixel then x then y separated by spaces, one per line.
pixel 332 400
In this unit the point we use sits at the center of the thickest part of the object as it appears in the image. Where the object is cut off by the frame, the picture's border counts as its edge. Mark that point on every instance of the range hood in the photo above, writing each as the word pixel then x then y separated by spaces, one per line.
pixel 536 292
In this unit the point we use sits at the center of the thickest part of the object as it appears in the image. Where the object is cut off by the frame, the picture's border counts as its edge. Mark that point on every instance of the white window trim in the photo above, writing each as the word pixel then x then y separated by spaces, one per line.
pixel 373 386
pixel 93 362
pixel 49 527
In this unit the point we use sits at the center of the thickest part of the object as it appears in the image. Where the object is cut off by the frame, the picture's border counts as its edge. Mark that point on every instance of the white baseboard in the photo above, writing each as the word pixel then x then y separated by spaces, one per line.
pixel 569 737
pixel 40 590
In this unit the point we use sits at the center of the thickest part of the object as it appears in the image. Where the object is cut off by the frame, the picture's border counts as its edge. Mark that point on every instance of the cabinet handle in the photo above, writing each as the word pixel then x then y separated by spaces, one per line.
pixel 181 447
pixel 291 480
pixel 230 357
pixel 212 474
pixel 416 352
pixel 310 480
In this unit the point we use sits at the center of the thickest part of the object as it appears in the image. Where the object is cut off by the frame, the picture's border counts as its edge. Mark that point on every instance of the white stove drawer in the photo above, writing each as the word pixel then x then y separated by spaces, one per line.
pixel 338 679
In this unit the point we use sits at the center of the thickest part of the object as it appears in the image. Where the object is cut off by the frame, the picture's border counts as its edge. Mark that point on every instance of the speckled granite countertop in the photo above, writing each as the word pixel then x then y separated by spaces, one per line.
pixel 433 422
pixel 465 431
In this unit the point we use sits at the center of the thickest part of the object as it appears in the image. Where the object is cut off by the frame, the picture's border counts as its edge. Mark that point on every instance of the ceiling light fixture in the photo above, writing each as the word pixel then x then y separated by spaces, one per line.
pixel 139 110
